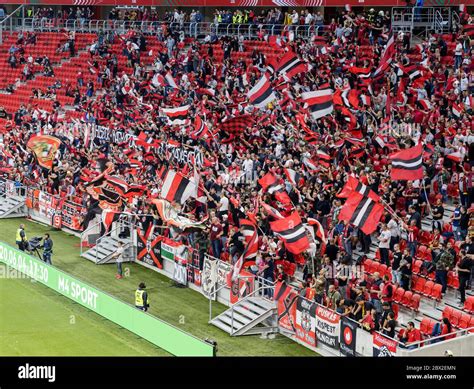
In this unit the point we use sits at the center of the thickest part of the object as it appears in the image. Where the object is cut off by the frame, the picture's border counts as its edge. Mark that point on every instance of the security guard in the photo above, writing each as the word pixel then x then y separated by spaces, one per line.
pixel 21 239
pixel 48 248
pixel 141 297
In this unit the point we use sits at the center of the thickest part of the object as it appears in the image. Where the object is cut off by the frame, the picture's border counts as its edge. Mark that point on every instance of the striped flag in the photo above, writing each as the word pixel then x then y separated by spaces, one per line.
pixel 177 188
pixel 319 103
pixel 407 164
pixel 293 176
pixel 200 128
pixel 425 103
pixel 354 185
pixel 262 93
pixel 291 230
pixel 177 115
pixel 270 183
pixel 273 212
pixel 290 65
pixel 249 231
pixel 362 212
pixel 387 56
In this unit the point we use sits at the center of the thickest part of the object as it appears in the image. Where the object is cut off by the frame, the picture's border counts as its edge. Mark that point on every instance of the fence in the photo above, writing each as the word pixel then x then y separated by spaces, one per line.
pixel 190 29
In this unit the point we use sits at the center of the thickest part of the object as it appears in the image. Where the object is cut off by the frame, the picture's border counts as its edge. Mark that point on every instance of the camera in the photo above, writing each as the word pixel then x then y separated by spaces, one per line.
pixel 34 243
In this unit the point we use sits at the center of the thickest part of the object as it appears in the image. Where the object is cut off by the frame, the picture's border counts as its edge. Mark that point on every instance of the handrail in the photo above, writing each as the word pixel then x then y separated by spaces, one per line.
pixel 10 18
pixel 120 224
pixel 427 341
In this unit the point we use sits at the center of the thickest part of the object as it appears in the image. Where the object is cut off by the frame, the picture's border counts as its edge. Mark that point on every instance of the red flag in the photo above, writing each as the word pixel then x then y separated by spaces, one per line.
pixel 362 212
pixel 292 232
pixel 407 164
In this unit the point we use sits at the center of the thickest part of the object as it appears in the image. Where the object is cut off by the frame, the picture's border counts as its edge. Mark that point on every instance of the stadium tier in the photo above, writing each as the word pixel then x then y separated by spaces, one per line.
pixel 307 171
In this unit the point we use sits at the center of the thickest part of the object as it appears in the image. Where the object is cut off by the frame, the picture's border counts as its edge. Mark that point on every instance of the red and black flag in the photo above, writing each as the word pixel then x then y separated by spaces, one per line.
pixel 177 115
pixel 148 248
pixel 354 185
pixel 294 177
pixel 237 124
pixel 290 65
pixel 468 29
pixel 177 188
pixel 362 212
pixel 387 56
pixel 262 93
pixel 319 103
pixel 317 232
pixel 291 230
pixel 407 164
pixel 273 212
pixel 249 231
pixel 270 183
pixel 200 128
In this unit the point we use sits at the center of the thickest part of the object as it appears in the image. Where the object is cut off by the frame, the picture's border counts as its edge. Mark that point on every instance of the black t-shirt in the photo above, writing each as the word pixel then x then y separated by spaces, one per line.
pixel 438 209
pixel 397 257
pixel 391 324
pixel 466 264
pixel 464 221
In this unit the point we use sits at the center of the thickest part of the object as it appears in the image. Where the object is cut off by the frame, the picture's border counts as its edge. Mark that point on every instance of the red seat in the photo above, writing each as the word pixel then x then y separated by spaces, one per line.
pixel 382 269
pixel 453 280
pixel 398 295
pixel 417 266
pixel 375 267
pixel 426 326
pixel 427 288
pixel 415 302
pixel 469 304
pixel 368 265
pixel 471 324
pixel 436 292
pixel 455 317
pixel 464 320
pixel 419 285
pixel 407 298
pixel 447 312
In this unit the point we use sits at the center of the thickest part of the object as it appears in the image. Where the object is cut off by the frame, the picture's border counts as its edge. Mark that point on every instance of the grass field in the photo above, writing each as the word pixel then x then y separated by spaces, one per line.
pixel 181 307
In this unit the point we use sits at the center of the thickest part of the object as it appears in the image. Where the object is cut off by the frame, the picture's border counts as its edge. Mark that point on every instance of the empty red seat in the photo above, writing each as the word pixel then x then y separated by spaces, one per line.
pixel 407 298
pixel 419 285
pixel 417 266
pixel 427 288
pixel 469 304
pixel 415 302
pixel 436 292
pixel 398 295
pixel 464 320
pixel 455 317
pixel 426 326
pixel 375 266
pixel 368 265
pixel 382 269
pixel 453 280
pixel 447 312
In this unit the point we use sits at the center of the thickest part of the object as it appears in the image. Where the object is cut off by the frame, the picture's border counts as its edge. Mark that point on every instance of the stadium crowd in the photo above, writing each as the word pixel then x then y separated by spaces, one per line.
pixel 425 95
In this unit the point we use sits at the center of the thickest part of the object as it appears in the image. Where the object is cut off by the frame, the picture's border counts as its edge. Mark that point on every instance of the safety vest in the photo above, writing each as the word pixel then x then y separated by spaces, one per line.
pixel 18 236
pixel 239 19
pixel 219 18
pixel 139 298
pixel 234 19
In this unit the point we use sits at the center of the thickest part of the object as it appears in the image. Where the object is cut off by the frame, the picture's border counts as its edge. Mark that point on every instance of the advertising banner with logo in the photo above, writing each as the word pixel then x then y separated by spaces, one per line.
pixel 286 298
pixel 148 327
pixel 383 346
pixel 72 215
pixel 306 321
pixel 348 337
pixel 327 326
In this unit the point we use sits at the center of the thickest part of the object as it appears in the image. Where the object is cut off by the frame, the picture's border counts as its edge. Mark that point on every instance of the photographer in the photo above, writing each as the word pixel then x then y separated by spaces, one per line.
pixel 48 248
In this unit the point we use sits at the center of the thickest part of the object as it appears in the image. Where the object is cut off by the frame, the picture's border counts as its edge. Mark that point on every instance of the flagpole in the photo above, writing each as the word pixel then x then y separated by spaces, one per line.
pixel 426 195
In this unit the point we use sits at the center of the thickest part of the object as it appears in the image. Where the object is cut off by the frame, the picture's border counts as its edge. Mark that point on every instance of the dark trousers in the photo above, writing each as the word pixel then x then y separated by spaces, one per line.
pixel 442 278
pixel 463 279
pixel 21 245
pixel 384 256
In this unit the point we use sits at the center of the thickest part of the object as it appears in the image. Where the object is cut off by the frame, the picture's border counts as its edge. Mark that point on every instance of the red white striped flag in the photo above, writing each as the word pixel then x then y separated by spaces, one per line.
pixel 177 115
pixel 262 93
pixel 292 232
pixel 319 103
pixel 273 212
pixel 270 183
pixel 290 65
pixel 177 188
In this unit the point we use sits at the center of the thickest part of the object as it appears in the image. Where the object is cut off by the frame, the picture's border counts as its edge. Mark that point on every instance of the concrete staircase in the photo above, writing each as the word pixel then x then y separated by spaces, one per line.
pixel 101 253
pixel 250 316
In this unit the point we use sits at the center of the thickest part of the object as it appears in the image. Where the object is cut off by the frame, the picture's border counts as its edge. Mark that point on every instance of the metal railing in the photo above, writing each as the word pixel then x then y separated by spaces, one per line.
pixel 7 23
pixel 190 29
pixel 12 188
pixel 425 17
pixel 86 233
pixel 432 340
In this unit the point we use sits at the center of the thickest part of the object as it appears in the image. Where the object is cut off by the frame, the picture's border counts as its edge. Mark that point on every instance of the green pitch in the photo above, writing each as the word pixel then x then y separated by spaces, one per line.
pixel 182 307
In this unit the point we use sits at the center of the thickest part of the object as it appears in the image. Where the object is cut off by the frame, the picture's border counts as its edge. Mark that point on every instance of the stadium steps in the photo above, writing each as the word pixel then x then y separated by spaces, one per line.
pixel 251 316
pixel 12 206
pixel 101 252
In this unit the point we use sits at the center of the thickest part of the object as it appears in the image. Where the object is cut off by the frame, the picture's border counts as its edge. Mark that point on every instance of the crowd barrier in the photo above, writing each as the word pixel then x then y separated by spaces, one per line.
pixel 154 330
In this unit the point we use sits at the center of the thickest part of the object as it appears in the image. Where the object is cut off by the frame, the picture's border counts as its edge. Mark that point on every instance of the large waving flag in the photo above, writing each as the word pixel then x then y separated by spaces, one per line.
pixel 293 233
pixel 237 124
pixel 290 65
pixel 407 164
pixel 178 188
pixel 362 212
pixel 201 130
pixel 44 147
pixel 251 247
pixel 270 183
pixel 262 93
pixel 177 115
pixel 354 185
pixel 387 56
pixel 170 216
pixel 319 103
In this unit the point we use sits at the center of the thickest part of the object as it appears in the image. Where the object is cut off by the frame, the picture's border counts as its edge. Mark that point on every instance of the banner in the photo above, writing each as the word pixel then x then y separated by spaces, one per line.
pixel 72 215
pixel 242 286
pixel 148 327
pixel 209 277
pixel 194 272
pixel 306 321
pixel 48 205
pixel 149 249
pixel 44 147
pixel 223 271
pixel 180 274
pixel 115 136
pixel 327 326
pixel 286 298
pixel 383 346
pixel 348 337
pixel 179 154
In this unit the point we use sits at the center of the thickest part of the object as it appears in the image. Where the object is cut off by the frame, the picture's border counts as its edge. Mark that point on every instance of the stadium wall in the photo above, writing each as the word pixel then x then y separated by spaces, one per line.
pixel 148 327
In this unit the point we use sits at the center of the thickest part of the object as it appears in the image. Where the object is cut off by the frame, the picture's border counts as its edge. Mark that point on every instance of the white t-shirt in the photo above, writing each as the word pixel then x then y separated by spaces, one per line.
pixel 224 204
pixel 384 235
pixel 119 257
pixel 294 18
